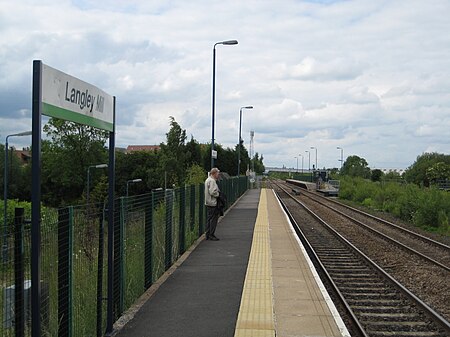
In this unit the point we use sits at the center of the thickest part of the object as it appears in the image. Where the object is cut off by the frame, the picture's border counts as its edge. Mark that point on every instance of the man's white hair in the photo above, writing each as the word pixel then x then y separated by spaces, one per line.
pixel 214 170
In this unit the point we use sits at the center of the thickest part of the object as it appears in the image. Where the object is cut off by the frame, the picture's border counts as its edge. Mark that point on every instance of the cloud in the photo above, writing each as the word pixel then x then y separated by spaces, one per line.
pixel 371 77
pixel 310 69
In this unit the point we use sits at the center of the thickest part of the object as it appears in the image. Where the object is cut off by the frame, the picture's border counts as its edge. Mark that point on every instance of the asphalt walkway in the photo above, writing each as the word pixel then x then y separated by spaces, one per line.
pixel 202 297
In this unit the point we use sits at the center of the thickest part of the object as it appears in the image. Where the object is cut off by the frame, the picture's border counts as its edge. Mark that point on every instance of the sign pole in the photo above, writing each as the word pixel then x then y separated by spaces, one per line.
pixel 111 178
pixel 62 96
pixel 36 201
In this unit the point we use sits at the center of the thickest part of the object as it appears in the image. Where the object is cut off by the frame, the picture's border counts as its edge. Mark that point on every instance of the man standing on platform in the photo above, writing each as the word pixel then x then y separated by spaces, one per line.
pixel 211 195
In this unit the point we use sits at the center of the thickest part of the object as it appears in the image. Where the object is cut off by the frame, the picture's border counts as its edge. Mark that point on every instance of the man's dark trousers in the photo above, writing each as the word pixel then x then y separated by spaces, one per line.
pixel 212 215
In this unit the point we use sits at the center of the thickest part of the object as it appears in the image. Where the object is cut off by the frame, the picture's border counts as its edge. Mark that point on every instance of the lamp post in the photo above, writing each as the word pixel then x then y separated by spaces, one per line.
pixel 5 194
pixel 302 161
pixel 309 160
pixel 312 147
pixel 239 141
pixel 132 181
pixel 297 164
pixel 225 43
pixel 342 155
pixel 99 166
pixel 309 163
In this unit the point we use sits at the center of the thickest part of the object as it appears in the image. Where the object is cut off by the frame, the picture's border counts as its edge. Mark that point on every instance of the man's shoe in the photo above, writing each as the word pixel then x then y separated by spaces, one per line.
pixel 213 238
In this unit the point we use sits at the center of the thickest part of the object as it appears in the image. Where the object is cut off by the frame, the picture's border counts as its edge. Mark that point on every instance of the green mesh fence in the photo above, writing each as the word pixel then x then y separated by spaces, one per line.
pixel 151 232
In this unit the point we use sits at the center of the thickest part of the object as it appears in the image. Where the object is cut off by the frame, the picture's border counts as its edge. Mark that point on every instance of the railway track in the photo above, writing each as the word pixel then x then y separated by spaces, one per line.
pixel 374 302
pixel 410 258
pixel 433 251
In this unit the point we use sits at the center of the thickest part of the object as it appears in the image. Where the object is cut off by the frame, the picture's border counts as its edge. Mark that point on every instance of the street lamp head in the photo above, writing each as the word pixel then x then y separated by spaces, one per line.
pixel 339 148
pixel 136 180
pixel 312 147
pixel 101 166
pixel 229 42
pixel 26 133
pixel 246 107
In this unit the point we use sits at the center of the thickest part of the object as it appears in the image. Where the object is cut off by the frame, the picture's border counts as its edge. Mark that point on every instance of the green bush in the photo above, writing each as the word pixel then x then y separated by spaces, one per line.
pixel 433 209
pixel 364 190
pixel 368 202
pixel 12 204
pixel 406 202
pixel 347 188
pixel 424 207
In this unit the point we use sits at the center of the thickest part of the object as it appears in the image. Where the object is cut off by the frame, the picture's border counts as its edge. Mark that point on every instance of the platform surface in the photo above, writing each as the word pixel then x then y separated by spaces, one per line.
pixel 255 282
pixel 201 298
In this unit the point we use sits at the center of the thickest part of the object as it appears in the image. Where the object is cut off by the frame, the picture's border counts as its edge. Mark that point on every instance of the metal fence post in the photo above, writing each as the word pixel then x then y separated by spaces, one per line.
pixel 65 252
pixel 168 241
pixel 101 254
pixel 117 259
pixel 192 207
pixel 201 207
pixel 182 210
pixel 148 233
pixel 123 219
pixel 19 274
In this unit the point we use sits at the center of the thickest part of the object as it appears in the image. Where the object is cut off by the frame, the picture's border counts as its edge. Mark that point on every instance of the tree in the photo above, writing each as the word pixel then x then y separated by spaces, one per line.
pixel 376 175
pixel 173 156
pixel 438 172
pixel 417 172
pixel 195 175
pixel 193 153
pixel 66 156
pixel 355 166
pixel 137 165
pixel 257 163
pixel 19 175
pixel 226 159
pixel 393 175
pixel 245 159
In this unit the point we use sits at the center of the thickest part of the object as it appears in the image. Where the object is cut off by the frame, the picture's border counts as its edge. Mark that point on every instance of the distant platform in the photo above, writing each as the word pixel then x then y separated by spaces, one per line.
pixel 303 184
pixel 328 192
pixel 326 189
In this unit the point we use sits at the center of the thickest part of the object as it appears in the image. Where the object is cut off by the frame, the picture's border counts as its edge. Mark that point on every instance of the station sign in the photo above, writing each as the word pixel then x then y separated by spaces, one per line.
pixel 66 97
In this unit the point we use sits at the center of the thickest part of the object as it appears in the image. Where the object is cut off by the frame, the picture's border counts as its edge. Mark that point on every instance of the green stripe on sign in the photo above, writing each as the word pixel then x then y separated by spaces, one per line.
pixel 54 111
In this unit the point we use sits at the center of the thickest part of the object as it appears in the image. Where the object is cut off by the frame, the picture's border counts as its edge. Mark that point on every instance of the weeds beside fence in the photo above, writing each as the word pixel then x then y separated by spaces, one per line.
pixel 151 231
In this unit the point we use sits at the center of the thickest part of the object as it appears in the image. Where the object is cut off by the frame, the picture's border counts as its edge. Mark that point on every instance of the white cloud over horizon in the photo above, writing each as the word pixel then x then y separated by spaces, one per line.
pixel 372 77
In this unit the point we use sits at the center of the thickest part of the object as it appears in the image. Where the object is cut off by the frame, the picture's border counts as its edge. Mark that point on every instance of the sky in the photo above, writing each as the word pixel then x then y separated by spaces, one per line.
pixel 371 77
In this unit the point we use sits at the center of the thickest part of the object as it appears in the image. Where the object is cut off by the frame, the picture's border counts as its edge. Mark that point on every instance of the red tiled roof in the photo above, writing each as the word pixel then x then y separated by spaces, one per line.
pixel 23 155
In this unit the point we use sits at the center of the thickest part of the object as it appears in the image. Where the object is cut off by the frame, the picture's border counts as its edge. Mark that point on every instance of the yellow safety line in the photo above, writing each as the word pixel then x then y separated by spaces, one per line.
pixel 255 317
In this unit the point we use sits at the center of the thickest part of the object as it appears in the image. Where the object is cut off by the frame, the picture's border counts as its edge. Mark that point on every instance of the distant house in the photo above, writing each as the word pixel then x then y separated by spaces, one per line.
pixel 121 149
pixel 24 155
pixel 148 148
